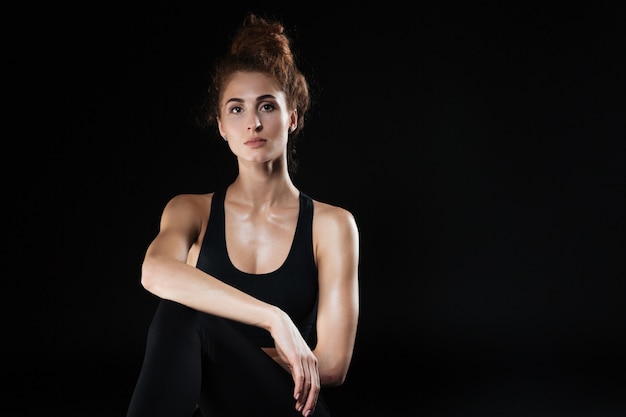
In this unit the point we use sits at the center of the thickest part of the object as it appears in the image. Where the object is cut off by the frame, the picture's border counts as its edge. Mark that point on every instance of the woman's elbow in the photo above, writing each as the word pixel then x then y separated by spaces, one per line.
pixel 149 277
pixel 334 376
pixel 332 380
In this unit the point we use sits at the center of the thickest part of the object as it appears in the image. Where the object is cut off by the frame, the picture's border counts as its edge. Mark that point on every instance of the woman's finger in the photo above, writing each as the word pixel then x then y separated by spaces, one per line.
pixel 312 388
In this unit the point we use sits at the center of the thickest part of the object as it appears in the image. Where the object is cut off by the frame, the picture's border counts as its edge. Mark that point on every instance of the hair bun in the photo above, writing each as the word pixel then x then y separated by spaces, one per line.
pixel 262 40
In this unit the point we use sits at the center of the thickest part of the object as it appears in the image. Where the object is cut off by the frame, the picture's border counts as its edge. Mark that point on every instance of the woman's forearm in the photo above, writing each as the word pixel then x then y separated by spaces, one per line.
pixel 176 281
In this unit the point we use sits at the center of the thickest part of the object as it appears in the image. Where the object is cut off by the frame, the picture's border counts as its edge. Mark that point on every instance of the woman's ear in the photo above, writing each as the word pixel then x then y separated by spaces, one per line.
pixel 293 121
pixel 219 127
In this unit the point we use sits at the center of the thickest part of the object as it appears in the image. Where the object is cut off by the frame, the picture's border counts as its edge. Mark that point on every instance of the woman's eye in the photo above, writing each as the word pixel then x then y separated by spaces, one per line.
pixel 267 107
pixel 235 109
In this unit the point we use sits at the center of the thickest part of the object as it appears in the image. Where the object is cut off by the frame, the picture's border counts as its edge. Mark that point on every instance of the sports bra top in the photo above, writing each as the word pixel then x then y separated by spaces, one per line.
pixel 293 287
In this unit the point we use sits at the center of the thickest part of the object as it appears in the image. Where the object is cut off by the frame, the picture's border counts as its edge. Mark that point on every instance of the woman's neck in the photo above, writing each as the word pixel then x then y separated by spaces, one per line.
pixel 263 191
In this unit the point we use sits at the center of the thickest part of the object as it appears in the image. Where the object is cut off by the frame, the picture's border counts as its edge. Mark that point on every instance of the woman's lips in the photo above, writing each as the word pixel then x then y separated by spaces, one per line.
pixel 255 142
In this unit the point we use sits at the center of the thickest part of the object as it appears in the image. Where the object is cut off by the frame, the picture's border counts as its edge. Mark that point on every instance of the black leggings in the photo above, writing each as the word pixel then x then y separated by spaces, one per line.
pixel 193 358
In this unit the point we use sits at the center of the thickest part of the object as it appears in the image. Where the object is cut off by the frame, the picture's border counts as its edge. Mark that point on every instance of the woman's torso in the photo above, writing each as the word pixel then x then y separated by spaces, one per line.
pixel 267 253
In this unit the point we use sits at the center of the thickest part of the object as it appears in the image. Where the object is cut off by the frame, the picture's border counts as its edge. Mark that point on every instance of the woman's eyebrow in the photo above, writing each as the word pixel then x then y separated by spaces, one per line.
pixel 236 99
pixel 259 98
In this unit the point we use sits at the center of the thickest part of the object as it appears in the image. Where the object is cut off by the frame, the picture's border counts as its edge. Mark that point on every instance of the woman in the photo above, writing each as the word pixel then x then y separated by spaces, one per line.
pixel 258 283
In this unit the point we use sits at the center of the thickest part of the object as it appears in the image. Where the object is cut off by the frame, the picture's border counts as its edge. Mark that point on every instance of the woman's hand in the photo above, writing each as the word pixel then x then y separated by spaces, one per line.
pixel 299 361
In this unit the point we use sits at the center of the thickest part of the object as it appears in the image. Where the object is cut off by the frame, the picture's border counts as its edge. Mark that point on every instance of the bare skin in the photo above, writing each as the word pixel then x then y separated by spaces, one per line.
pixel 261 208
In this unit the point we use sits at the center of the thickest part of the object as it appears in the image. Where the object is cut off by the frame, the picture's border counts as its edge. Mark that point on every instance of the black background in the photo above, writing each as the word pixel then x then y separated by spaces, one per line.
pixel 480 147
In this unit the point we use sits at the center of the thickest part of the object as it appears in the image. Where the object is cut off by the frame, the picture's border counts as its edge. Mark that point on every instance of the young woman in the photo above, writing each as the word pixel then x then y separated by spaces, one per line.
pixel 258 282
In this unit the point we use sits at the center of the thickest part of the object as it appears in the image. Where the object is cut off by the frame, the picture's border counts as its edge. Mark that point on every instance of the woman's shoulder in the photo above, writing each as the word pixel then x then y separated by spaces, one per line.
pixel 189 202
pixel 188 212
pixel 328 215
pixel 335 229
pixel 190 198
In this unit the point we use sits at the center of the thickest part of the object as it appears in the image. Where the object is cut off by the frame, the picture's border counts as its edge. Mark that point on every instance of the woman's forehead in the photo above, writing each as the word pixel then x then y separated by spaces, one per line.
pixel 245 85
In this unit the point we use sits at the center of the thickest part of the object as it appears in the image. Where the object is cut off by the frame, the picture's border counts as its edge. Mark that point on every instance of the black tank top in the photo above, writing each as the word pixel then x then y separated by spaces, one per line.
pixel 292 287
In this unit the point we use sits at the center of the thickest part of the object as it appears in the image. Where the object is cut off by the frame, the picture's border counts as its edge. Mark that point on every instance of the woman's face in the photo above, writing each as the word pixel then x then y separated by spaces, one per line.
pixel 254 117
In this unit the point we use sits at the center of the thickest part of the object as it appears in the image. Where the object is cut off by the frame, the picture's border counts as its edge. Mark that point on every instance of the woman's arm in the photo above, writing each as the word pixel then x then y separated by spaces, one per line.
pixel 166 274
pixel 336 239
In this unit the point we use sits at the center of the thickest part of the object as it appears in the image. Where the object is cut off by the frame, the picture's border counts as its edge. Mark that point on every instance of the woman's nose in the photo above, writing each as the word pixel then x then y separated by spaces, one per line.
pixel 254 123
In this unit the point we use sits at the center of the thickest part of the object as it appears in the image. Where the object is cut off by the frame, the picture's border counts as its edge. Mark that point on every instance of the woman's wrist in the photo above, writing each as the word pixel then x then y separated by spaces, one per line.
pixel 275 316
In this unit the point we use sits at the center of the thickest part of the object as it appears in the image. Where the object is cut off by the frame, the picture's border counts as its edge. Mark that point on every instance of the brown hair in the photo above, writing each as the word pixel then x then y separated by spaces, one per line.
pixel 261 45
